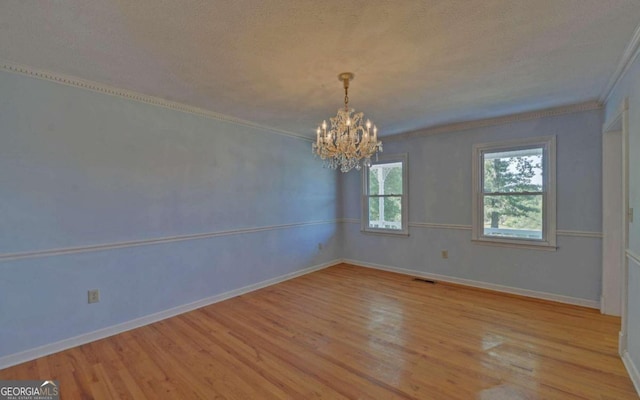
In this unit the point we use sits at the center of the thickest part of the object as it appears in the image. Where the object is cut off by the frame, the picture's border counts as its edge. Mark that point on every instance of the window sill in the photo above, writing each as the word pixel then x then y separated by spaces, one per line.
pixel 496 243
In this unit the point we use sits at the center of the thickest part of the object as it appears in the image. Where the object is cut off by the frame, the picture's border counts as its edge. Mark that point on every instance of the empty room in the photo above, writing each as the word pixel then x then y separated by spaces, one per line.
pixel 320 199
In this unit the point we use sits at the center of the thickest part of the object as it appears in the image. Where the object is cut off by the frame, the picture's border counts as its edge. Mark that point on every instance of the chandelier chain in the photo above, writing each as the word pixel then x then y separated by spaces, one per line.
pixel 346 93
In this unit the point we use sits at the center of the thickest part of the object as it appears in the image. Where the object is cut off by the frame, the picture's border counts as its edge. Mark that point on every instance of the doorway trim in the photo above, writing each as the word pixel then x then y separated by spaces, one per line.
pixel 620 123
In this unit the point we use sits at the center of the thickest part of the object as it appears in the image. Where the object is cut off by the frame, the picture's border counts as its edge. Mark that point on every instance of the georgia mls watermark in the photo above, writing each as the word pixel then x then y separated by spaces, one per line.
pixel 29 390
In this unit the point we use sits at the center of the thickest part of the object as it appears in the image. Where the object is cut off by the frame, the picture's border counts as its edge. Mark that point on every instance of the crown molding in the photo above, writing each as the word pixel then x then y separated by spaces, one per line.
pixel 481 123
pixel 76 82
pixel 630 54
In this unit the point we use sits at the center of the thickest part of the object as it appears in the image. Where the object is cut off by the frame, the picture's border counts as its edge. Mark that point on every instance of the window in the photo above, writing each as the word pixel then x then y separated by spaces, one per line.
pixel 384 199
pixel 514 193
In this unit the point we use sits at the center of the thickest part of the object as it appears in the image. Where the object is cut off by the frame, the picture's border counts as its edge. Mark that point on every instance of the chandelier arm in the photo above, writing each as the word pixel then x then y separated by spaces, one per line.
pixel 346 143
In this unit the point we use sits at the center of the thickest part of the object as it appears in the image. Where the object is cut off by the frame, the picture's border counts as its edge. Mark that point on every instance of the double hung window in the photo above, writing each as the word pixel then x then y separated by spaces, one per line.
pixel 385 196
pixel 514 192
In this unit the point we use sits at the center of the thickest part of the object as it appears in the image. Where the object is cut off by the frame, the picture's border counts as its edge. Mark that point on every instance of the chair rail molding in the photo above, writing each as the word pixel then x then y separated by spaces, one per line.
pixel 153 241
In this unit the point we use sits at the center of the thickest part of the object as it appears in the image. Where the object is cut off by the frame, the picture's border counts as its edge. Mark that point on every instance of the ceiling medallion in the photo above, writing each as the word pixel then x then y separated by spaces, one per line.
pixel 348 142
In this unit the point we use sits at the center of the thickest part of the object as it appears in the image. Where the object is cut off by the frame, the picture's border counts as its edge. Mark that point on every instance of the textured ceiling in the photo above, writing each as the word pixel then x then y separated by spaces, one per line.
pixel 416 63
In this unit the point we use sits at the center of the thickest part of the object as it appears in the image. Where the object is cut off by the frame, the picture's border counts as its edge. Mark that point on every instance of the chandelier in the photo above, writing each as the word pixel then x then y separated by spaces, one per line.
pixel 348 142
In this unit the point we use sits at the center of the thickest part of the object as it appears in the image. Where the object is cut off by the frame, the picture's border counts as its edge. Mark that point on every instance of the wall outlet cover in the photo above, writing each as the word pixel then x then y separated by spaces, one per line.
pixel 94 296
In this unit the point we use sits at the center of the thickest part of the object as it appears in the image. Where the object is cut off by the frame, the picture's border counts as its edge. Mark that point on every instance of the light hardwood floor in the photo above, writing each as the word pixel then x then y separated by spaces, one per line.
pixel 356 333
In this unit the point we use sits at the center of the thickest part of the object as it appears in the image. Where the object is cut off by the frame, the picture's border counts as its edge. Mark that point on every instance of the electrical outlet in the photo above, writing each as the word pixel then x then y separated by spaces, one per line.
pixel 445 254
pixel 94 296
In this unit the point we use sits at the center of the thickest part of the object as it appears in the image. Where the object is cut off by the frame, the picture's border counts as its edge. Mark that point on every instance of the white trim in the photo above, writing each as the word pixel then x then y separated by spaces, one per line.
pixel 633 257
pixel 364 206
pixel 626 223
pixel 514 244
pixel 628 57
pixel 433 225
pixel 508 119
pixel 427 225
pixel 37 352
pixel 613 218
pixel 632 369
pixel 548 144
pixel 76 82
pixel 482 285
pixel 620 122
pixel 586 234
pixel 147 242
pixel 430 225
pixel 617 121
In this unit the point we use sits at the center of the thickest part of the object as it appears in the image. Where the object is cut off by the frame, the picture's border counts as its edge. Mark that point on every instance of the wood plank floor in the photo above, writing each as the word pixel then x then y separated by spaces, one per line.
pixel 353 333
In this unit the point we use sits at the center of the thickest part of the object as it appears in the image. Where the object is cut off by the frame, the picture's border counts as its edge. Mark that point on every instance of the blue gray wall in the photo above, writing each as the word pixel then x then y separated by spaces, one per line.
pixel 629 87
pixel 440 193
pixel 80 168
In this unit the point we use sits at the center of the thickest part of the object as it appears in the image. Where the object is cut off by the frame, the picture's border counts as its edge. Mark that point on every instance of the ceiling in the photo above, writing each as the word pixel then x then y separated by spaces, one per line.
pixel 275 62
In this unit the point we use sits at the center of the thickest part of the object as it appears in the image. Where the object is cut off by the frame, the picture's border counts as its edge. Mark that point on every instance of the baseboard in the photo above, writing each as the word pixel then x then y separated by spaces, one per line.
pixel 622 343
pixel 483 285
pixel 632 369
pixel 45 350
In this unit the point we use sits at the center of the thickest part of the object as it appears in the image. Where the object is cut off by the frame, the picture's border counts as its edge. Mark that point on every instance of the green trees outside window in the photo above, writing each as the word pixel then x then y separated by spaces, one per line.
pixel 384 197
pixel 513 193
pixel 385 191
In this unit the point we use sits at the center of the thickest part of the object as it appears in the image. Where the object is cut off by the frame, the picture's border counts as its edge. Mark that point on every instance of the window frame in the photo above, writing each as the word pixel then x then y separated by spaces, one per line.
pixel 404 200
pixel 548 145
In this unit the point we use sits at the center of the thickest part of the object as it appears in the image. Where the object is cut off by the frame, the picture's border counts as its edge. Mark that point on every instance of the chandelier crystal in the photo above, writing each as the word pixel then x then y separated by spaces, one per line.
pixel 349 141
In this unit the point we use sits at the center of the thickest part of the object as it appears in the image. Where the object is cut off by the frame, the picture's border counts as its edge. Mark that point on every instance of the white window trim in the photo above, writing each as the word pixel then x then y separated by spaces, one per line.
pixel 404 202
pixel 548 241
